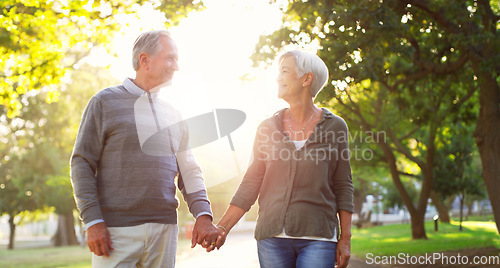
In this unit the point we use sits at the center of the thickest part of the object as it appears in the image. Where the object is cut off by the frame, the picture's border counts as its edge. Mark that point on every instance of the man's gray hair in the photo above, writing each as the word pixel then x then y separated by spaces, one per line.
pixel 148 42
pixel 309 63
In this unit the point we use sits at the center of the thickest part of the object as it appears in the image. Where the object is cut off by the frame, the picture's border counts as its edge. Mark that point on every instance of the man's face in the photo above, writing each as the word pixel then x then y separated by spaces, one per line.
pixel 163 66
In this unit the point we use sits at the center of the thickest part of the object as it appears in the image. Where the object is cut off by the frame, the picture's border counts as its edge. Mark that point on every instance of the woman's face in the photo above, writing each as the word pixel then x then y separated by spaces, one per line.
pixel 289 84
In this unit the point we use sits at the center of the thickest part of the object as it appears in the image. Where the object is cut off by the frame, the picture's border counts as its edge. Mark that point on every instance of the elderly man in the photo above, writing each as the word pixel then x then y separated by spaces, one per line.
pixel 124 183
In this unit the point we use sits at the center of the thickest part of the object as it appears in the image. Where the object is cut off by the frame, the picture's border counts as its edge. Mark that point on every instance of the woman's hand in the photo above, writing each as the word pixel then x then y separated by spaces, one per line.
pixel 343 251
pixel 221 239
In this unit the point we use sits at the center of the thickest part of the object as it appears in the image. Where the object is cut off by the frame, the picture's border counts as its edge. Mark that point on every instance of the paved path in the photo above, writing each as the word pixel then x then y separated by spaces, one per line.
pixel 240 250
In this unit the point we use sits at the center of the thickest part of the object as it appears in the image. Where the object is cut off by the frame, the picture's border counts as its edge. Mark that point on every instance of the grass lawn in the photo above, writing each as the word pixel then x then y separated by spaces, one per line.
pixel 390 240
pixel 74 256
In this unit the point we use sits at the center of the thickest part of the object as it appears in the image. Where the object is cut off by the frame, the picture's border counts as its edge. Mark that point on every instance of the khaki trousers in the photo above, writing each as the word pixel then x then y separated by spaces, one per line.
pixel 145 245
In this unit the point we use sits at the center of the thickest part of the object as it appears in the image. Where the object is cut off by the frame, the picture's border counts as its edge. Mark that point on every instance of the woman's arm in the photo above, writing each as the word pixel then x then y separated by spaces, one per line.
pixel 343 250
pixel 232 215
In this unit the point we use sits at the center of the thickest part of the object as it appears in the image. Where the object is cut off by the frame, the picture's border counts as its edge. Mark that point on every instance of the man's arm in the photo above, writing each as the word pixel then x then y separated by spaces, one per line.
pixel 199 205
pixel 191 184
pixel 84 161
pixel 195 195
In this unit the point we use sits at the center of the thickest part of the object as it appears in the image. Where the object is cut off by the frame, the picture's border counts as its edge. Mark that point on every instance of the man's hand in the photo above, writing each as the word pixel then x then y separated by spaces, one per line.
pixel 204 232
pixel 343 251
pixel 99 239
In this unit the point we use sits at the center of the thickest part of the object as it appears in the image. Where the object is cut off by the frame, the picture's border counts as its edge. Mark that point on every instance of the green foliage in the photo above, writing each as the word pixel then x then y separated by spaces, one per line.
pixel 59 193
pixel 457 170
pixel 41 40
pixel 392 41
pixel 392 197
pixel 34 163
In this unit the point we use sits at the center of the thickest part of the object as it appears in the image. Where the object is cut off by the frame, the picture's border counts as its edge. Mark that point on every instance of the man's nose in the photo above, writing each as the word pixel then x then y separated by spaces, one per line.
pixel 175 66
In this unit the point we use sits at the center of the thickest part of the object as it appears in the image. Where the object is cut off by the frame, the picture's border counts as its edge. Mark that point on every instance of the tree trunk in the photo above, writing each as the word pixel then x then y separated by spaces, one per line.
pixel 12 235
pixel 469 210
pixel 65 234
pixel 461 211
pixel 358 203
pixel 359 196
pixel 417 217
pixel 441 208
pixel 418 227
pixel 488 134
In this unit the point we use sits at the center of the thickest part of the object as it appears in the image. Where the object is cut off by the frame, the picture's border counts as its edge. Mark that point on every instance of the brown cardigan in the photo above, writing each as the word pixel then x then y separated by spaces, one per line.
pixel 299 190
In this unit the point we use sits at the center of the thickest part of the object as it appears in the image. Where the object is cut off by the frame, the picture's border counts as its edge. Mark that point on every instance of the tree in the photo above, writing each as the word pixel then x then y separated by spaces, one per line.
pixel 60 196
pixel 38 146
pixel 22 187
pixel 392 197
pixel 409 149
pixel 455 171
pixel 405 45
pixel 41 40
pixel 368 165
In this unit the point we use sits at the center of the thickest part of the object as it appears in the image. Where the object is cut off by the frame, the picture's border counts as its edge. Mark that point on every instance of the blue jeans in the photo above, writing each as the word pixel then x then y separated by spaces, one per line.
pixel 290 253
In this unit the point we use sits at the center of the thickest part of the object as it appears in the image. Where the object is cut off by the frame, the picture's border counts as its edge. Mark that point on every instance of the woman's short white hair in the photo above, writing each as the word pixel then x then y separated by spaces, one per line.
pixel 148 42
pixel 309 63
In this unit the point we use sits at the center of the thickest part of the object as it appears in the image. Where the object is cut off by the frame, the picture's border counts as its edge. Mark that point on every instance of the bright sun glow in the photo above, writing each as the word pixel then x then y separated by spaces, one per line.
pixel 214 48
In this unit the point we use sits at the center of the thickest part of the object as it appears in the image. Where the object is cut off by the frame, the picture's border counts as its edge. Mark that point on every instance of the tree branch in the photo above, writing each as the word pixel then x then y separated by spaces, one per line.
pixel 490 18
pixel 436 68
pixel 404 150
pixel 411 77
pixel 437 15
pixel 427 67
pixel 467 96
pixel 408 174
pixel 447 68
pixel 409 133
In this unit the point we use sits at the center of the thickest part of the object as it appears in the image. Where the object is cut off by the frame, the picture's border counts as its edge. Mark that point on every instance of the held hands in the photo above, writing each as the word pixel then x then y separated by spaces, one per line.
pixel 204 233
pixel 99 239
pixel 221 239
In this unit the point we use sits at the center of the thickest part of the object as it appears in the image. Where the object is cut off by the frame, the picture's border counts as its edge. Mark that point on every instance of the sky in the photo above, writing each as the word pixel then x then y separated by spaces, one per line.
pixel 214 49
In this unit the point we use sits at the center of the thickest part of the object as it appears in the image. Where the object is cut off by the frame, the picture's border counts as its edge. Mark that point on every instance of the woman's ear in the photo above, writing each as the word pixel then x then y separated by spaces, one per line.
pixel 308 79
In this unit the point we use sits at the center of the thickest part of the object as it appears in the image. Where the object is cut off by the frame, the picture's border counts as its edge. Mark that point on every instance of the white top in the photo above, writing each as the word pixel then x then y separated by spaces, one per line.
pixel 284 235
pixel 299 144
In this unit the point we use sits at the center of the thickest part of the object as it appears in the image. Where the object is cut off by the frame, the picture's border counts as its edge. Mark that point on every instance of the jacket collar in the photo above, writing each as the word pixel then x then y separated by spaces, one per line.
pixel 325 115
pixel 134 89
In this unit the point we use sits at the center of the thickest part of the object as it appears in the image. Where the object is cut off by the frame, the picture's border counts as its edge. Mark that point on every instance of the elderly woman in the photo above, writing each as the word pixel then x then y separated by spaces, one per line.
pixel 300 173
